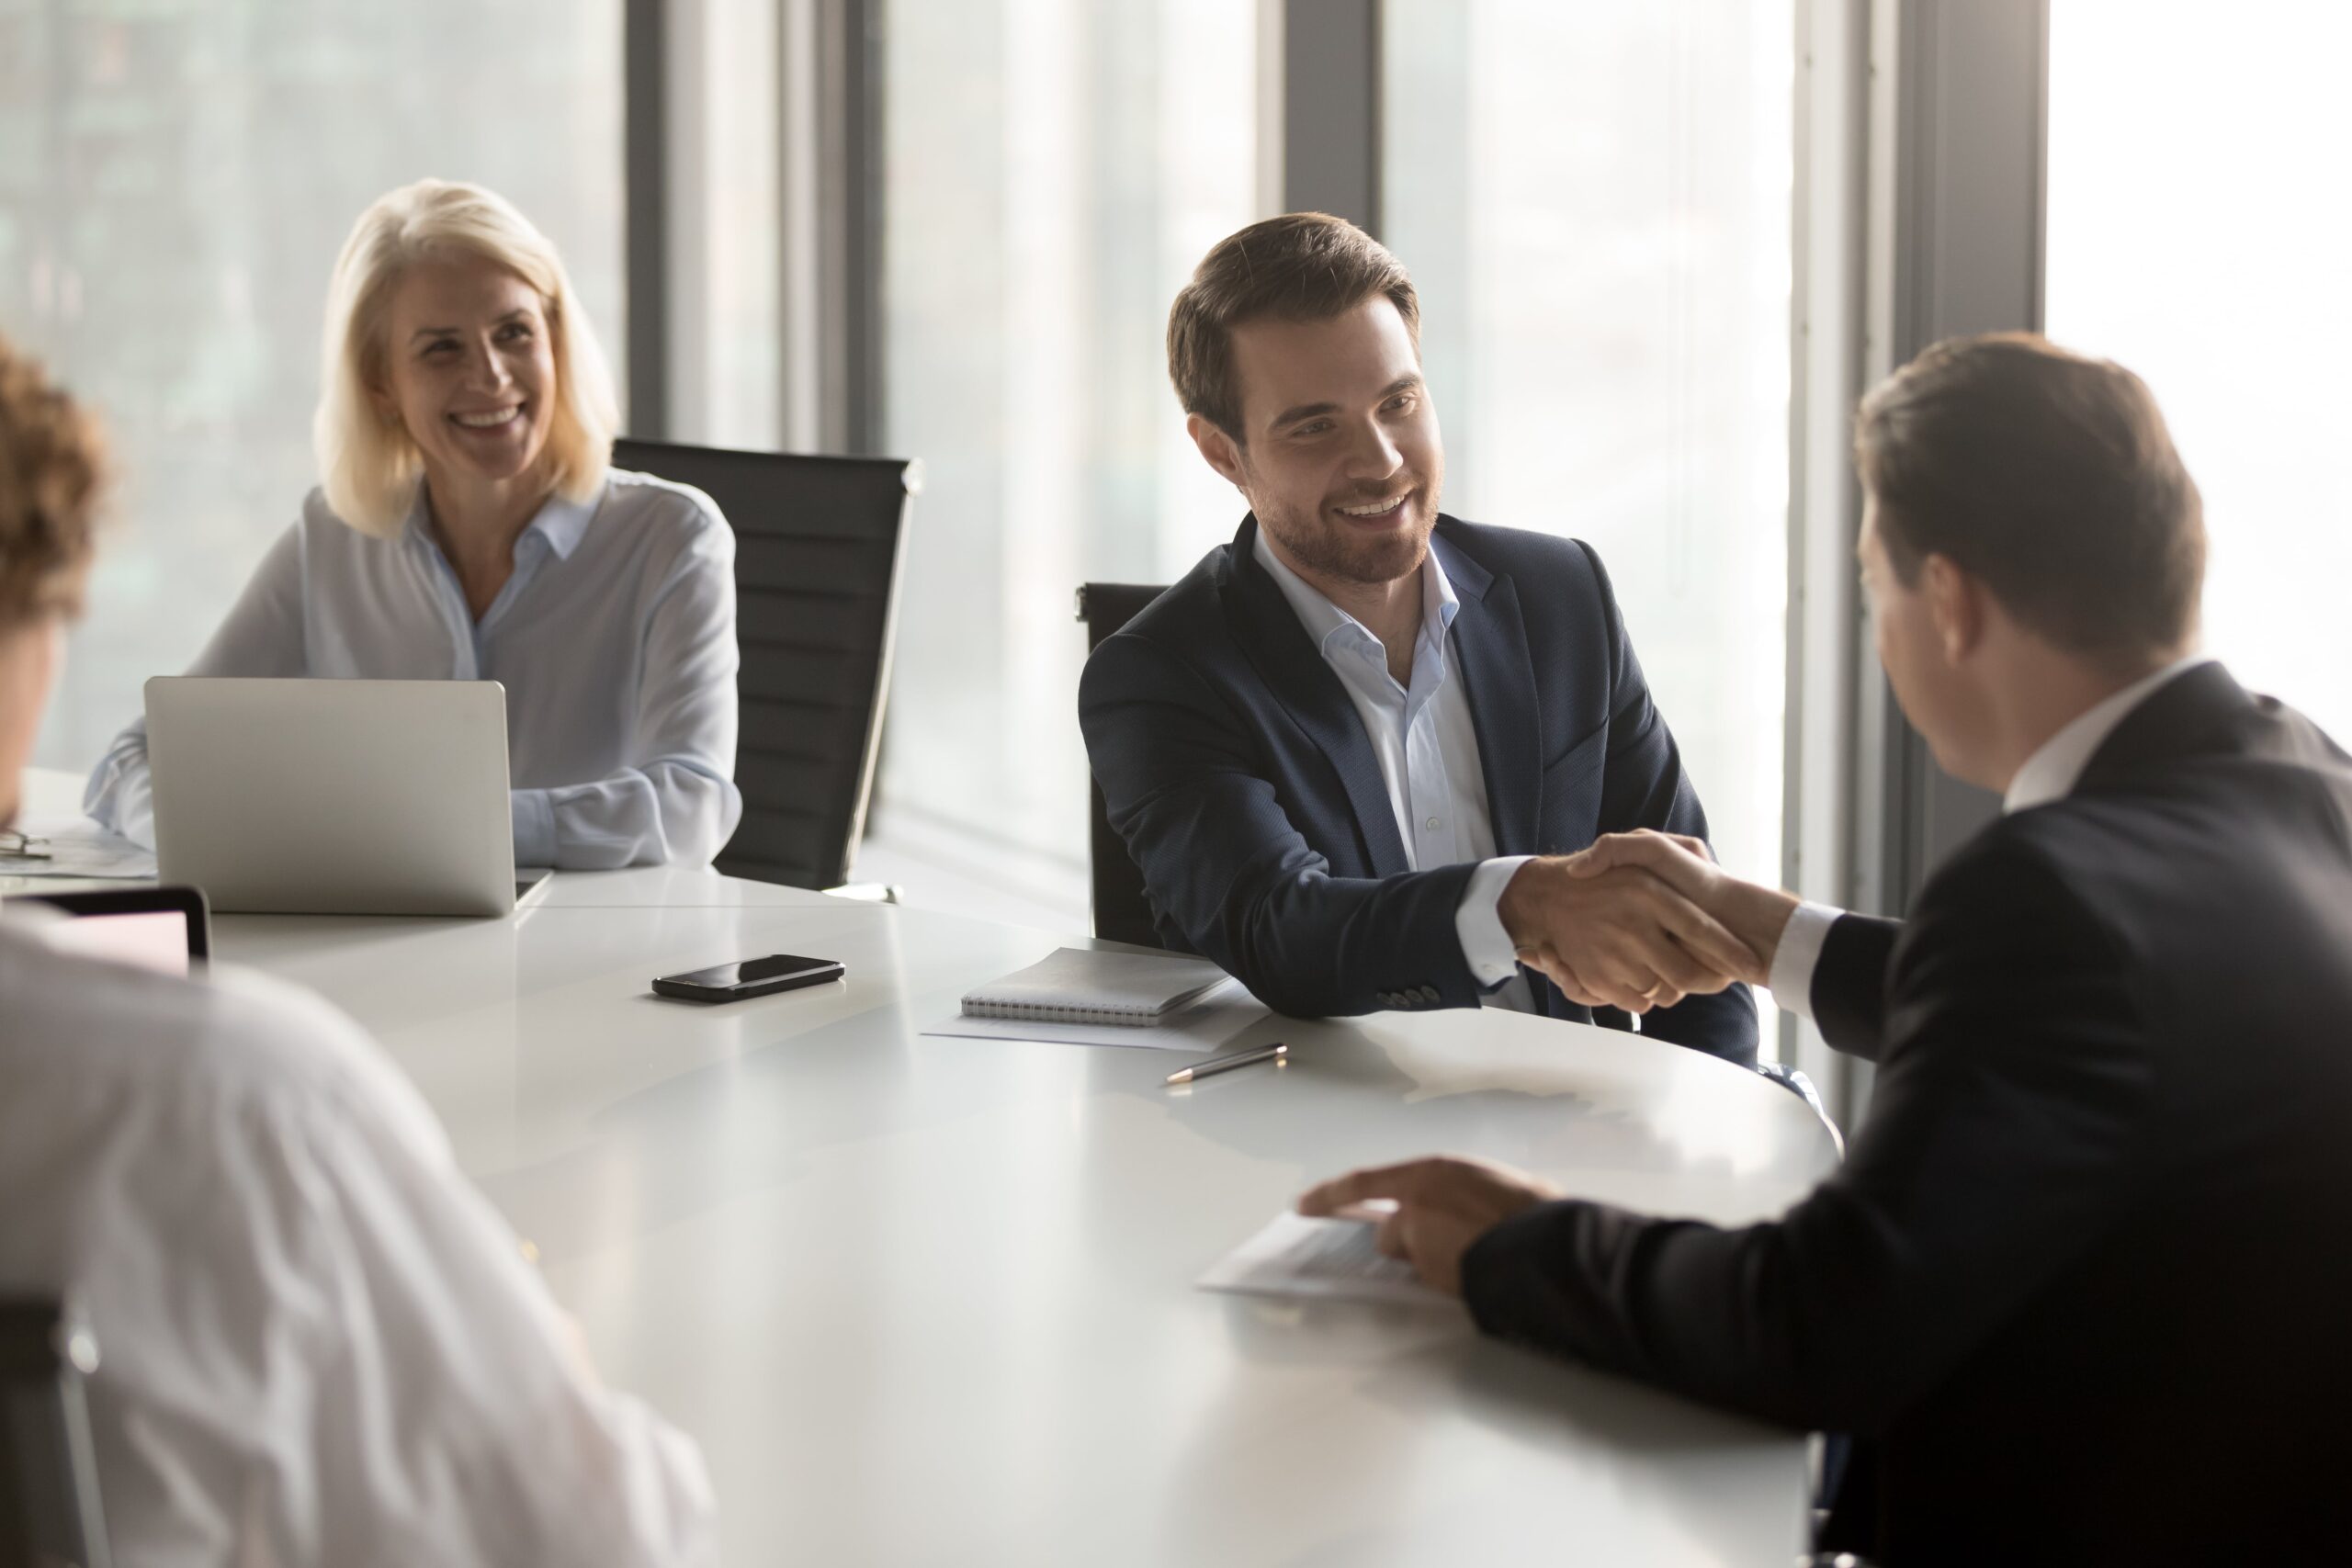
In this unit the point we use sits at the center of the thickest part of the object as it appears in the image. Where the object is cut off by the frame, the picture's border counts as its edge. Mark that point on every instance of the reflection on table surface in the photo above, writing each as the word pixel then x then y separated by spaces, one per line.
pixel 929 1300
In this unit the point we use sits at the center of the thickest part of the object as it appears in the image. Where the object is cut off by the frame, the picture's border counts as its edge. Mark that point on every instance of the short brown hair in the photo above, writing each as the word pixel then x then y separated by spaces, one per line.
pixel 2046 474
pixel 53 468
pixel 1302 266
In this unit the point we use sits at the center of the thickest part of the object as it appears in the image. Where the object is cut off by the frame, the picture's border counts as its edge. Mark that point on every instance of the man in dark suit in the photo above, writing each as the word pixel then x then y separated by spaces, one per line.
pixel 2083 1288
pixel 1349 749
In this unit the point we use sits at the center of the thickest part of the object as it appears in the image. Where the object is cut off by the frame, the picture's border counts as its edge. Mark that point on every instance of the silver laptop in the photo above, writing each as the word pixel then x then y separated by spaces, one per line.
pixel 334 797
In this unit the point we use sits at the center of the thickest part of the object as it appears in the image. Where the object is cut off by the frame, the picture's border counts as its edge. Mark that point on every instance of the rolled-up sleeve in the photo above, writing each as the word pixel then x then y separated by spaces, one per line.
pixel 673 800
pixel 262 635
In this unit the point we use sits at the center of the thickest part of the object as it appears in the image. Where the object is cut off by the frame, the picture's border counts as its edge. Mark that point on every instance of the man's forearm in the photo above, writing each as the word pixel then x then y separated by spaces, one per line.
pixel 1313 946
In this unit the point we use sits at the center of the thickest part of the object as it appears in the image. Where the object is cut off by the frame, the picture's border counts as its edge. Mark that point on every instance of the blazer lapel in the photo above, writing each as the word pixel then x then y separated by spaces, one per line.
pixel 1490 645
pixel 1293 668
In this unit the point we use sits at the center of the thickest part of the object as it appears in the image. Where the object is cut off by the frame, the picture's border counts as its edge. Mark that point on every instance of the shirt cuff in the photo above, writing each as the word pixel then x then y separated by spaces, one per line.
pixel 1478 921
pixel 1793 961
pixel 534 827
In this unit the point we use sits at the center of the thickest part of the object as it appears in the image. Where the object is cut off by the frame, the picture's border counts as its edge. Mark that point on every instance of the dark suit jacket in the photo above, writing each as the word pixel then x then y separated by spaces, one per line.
pixel 2084 1284
pixel 1240 776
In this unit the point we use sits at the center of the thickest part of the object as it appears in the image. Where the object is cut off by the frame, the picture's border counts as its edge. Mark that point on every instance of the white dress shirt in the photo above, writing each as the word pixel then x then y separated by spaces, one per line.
pixel 2051 774
pixel 318 1343
pixel 1427 749
pixel 615 639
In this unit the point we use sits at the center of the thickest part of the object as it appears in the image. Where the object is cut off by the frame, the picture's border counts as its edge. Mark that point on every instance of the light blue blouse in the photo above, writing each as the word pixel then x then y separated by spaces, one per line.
pixel 615 639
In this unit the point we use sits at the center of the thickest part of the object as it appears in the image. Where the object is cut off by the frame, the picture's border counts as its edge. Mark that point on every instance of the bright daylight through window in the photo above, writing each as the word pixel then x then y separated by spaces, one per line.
pixel 180 177
pixel 1594 200
pixel 1595 203
pixel 1055 168
pixel 2206 251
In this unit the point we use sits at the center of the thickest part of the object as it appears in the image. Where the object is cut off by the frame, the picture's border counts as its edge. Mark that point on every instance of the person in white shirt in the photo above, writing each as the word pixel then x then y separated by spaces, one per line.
pixel 470 527
pixel 319 1344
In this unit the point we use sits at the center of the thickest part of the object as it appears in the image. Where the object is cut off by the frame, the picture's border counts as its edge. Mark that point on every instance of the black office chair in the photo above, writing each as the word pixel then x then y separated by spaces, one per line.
pixel 817 552
pixel 50 1516
pixel 1122 909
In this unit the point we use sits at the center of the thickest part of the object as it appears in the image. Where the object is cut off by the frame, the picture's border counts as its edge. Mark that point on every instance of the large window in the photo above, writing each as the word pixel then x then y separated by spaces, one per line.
pixel 1594 199
pixel 178 176
pixel 2197 233
pixel 1595 202
pixel 1053 171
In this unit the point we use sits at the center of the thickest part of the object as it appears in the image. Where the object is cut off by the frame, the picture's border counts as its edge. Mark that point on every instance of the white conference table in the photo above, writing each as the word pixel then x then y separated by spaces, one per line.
pixel 930 1301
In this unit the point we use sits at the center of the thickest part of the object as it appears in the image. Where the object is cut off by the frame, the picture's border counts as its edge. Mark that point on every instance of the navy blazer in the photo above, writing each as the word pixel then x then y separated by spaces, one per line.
pixel 1240 775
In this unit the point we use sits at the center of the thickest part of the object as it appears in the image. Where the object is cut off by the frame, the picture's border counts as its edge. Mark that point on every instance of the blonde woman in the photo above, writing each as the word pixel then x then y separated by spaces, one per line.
pixel 468 527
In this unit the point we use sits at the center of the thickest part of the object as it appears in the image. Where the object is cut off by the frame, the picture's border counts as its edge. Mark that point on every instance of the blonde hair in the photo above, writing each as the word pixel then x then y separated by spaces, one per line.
pixel 368 466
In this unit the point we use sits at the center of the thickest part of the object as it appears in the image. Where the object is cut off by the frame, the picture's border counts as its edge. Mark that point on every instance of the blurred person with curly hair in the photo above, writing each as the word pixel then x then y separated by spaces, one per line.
pixel 318 1343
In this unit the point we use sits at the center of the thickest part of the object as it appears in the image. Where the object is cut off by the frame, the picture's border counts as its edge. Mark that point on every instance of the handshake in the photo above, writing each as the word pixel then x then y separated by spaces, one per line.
pixel 1641 920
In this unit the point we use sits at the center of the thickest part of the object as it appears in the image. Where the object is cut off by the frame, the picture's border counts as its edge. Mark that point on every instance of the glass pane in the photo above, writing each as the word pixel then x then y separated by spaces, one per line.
pixel 179 175
pixel 2205 250
pixel 742 310
pixel 1595 203
pixel 1054 170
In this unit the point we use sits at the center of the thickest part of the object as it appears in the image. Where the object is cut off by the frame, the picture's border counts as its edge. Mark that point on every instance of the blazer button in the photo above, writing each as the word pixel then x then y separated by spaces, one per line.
pixel 1385 998
pixel 1429 993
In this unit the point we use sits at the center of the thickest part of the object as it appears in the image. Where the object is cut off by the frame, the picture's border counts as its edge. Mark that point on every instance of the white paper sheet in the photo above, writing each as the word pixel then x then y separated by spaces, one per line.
pixel 1319 1260
pixel 78 846
pixel 1205 1026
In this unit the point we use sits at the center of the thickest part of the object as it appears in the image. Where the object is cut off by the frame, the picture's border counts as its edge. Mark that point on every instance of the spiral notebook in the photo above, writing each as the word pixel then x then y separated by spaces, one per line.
pixel 1079 986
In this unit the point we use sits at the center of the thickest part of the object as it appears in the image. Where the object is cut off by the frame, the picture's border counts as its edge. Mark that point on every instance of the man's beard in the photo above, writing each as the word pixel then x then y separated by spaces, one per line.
pixel 1324 547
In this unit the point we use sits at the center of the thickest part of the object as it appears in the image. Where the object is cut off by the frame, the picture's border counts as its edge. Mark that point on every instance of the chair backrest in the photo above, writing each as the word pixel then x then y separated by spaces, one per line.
pixel 50 1516
pixel 818 545
pixel 1122 909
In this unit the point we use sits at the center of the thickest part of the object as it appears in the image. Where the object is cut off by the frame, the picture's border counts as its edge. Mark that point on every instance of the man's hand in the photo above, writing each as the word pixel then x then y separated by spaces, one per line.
pixel 1442 1204
pixel 1755 916
pixel 1627 938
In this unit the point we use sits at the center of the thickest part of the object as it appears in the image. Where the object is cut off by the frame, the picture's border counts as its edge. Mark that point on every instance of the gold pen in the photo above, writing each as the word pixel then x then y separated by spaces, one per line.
pixel 1273 1053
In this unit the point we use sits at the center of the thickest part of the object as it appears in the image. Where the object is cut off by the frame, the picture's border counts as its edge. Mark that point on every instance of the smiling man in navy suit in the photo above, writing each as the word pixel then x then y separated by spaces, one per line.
pixel 1349 749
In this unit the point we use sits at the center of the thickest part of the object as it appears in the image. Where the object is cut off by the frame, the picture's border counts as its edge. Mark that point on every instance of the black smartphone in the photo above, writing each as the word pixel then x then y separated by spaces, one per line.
pixel 752 977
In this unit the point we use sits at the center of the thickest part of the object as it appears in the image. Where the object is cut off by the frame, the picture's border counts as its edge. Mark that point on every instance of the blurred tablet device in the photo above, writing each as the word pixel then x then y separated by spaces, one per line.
pixel 333 797
pixel 165 928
